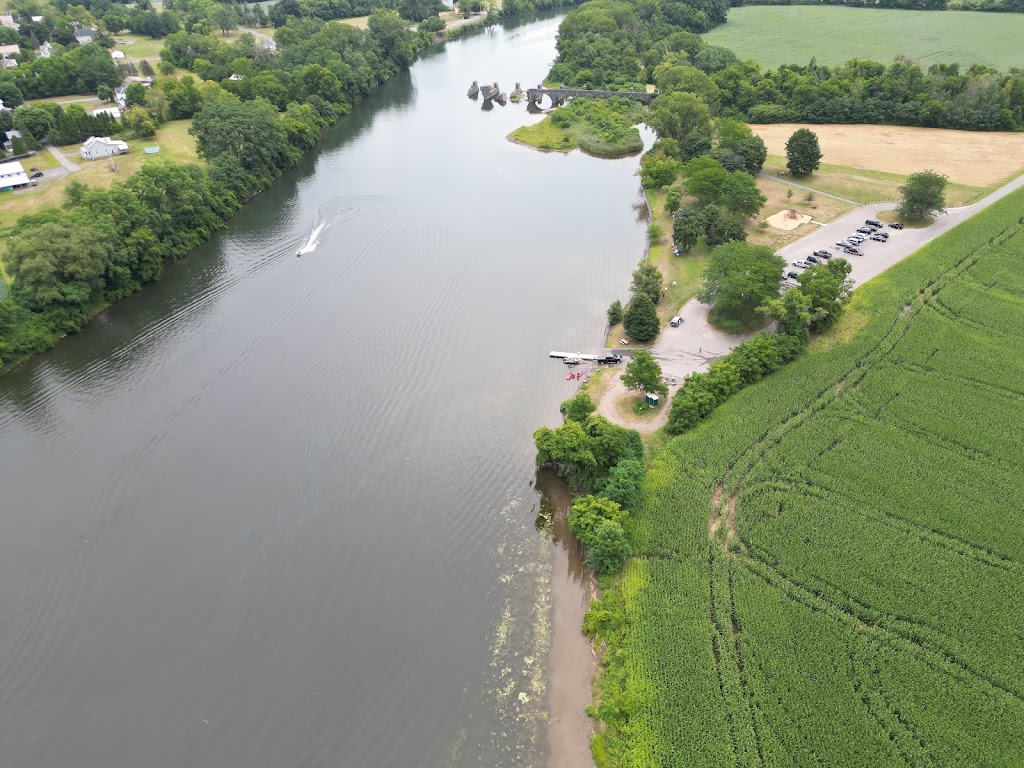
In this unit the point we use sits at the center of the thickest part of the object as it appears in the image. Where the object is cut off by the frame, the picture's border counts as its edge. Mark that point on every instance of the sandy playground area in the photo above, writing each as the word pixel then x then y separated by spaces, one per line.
pixel 976 158
pixel 784 220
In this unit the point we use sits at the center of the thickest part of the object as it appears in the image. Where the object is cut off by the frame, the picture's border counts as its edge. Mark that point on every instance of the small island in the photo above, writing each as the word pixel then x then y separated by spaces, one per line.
pixel 602 127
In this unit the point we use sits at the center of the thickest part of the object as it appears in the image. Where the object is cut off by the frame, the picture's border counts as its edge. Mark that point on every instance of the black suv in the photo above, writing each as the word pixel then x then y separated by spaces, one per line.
pixel 896 225
pixel 866 230
pixel 873 223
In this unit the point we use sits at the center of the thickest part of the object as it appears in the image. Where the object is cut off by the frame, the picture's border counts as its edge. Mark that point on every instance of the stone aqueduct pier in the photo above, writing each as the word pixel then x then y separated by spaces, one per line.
pixel 558 95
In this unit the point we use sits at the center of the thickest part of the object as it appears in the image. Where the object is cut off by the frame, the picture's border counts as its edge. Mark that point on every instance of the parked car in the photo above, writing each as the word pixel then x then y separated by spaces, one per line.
pixel 823 254
pixel 676 321
pixel 801 263
pixel 856 240
pixel 866 230
pixel 879 238
pixel 896 225
pixel 36 175
pixel 844 243
pixel 793 275
pixel 873 223
pixel 611 359
pixel 813 260
pixel 855 251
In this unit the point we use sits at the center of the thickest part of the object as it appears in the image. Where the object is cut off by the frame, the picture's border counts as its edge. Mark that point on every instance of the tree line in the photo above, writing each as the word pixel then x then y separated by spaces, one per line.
pixel 101 245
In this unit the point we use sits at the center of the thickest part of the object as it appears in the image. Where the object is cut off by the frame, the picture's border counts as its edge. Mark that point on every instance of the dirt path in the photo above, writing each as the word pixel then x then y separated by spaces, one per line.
pixel 642 424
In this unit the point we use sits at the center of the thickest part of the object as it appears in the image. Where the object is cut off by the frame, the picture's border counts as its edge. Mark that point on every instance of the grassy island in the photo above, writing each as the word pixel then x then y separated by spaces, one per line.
pixel 604 127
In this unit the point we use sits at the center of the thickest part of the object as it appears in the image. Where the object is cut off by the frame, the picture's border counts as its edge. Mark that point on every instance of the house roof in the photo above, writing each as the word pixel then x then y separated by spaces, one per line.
pixel 85 32
pixel 7 20
pixel 8 49
pixel 117 54
pixel 114 112
pixel 103 140
pixel 12 174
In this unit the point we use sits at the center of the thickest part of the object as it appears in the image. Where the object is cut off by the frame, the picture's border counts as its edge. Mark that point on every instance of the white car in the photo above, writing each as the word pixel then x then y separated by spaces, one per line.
pixel 800 263
pixel 856 239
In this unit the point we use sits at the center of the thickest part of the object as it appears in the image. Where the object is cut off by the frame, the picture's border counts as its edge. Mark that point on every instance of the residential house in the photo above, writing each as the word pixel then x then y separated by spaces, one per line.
pixel 114 112
pixel 6 52
pixel 11 136
pixel 36 19
pixel 85 36
pixel 96 147
pixel 45 50
pixel 121 90
pixel 116 54
pixel 12 176
pixel 7 20
pixel 235 78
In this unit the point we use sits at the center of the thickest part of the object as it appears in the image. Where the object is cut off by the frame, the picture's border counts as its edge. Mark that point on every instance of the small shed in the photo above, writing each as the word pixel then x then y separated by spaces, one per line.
pixel 652 399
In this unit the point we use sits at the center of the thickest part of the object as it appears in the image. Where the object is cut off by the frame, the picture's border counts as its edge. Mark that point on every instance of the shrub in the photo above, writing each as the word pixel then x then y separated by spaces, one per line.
pixel 608 551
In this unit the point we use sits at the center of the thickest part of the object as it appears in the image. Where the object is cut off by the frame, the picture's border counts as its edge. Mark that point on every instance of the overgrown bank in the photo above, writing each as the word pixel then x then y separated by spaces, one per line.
pixel 788 602
pixel 603 127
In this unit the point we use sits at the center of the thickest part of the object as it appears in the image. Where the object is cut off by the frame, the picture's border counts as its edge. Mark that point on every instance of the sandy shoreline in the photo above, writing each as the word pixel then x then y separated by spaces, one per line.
pixel 572 662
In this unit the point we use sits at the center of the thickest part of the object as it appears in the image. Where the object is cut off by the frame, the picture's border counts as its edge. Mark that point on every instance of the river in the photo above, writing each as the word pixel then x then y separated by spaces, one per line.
pixel 279 511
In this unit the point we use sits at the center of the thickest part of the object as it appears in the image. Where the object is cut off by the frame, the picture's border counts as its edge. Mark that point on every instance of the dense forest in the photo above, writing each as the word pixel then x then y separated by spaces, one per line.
pixel 625 44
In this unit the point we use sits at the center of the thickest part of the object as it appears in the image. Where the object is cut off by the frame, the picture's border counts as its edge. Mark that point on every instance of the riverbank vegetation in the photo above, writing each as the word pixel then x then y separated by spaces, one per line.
pixel 101 245
pixel 603 127
pixel 751 625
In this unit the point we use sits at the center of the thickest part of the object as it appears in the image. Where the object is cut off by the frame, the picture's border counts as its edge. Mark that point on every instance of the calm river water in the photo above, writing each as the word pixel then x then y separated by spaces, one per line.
pixel 278 511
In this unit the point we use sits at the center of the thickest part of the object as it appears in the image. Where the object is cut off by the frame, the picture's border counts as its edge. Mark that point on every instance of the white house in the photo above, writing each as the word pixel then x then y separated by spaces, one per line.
pixel 11 136
pixel 85 36
pixel 117 54
pixel 114 112
pixel 96 147
pixel 45 50
pixel 12 176
pixel 120 93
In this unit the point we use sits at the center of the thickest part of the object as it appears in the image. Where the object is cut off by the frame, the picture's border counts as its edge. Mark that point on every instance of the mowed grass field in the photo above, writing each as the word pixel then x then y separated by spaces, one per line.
pixel 173 138
pixel 830 570
pixel 775 35
pixel 868 163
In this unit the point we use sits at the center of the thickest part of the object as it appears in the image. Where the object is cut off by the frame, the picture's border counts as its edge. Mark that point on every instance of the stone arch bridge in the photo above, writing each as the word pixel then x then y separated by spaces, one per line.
pixel 559 95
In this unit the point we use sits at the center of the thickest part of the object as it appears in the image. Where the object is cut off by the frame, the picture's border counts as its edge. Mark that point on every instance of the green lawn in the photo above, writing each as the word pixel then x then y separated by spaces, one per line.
pixel 829 570
pixel 774 35
pixel 137 47
pixel 173 138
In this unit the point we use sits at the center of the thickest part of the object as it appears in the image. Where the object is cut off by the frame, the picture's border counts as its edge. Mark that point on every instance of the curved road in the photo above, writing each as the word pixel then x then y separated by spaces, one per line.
pixel 695 344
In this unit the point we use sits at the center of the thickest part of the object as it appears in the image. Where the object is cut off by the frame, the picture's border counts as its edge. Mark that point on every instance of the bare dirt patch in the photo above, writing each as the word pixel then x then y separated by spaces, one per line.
pixel 976 158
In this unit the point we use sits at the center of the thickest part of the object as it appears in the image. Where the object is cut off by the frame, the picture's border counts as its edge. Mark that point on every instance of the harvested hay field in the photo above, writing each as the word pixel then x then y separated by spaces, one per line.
pixel 973 158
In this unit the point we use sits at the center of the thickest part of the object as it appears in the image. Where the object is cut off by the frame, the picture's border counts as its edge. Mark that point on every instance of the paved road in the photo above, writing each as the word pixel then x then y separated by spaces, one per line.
pixel 786 180
pixel 693 346
pixel 67 164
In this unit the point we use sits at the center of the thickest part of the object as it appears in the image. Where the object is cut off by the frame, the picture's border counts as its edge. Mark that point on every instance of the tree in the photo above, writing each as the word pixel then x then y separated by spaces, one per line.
pixel 588 512
pixel 643 374
pixel 104 92
pixel 740 278
pixel 135 95
pixel 678 115
pixel 687 228
pixel 721 227
pixel 923 195
pixel 803 155
pixel 225 17
pixel 753 151
pixel 251 131
pixel 673 198
pixel 705 178
pixel 658 170
pixel 138 121
pixel 615 313
pixel 10 94
pixel 740 195
pixel 577 408
pixel 608 550
pixel 624 483
pixel 146 69
pixel 647 279
pixel 791 312
pixel 641 319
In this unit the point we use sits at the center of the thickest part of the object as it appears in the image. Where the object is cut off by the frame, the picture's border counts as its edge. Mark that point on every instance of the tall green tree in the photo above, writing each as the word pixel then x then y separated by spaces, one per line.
pixel 643 373
pixel 641 318
pixel 578 407
pixel 647 279
pixel 740 278
pixel 923 195
pixel 678 115
pixel 803 155
pixel 687 228
pixel 740 196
